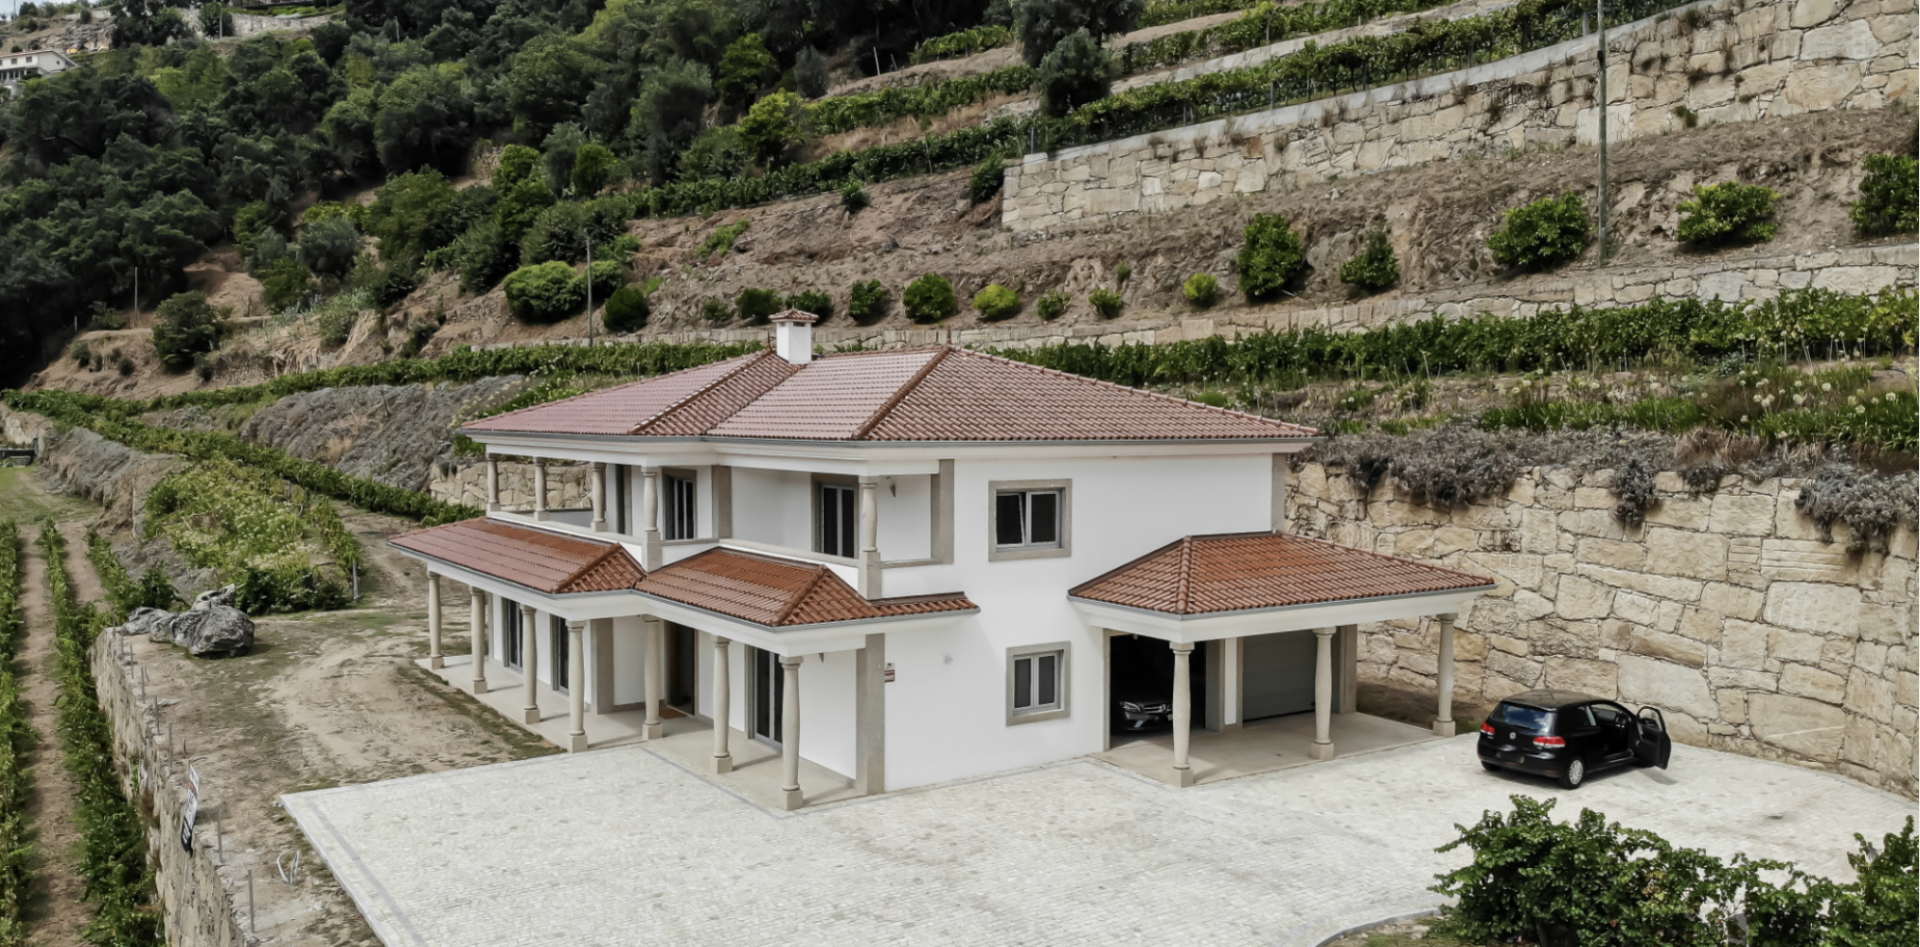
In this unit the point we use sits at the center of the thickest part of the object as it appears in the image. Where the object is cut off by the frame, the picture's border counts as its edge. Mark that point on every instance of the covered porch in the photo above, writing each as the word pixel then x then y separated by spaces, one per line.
pixel 1227 591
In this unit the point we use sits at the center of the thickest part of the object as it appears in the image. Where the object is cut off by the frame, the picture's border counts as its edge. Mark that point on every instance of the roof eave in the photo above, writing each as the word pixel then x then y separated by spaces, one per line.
pixel 1210 626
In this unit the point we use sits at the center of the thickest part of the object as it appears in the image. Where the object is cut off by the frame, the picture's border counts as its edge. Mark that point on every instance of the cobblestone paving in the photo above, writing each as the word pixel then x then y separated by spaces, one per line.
pixel 621 847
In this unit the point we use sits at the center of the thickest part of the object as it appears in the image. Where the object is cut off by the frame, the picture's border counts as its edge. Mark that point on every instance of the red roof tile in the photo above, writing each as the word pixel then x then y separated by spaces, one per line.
pixel 779 592
pixel 1202 575
pixel 534 558
pixel 944 394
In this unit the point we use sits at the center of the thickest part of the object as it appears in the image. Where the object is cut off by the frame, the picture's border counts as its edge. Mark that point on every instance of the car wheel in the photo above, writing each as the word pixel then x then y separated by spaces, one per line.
pixel 1490 767
pixel 1575 775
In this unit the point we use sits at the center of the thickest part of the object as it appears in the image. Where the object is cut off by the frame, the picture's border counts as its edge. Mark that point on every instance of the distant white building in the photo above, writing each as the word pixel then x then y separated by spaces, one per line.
pixel 16 68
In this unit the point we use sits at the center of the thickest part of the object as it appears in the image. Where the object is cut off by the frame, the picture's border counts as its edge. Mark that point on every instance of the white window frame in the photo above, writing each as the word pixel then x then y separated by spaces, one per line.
pixel 680 506
pixel 998 551
pixel 1031 654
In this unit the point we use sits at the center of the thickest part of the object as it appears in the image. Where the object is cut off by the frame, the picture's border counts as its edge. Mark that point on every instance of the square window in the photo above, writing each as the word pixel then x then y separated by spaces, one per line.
pixel 679 509
pixel 1036 683
pixel 1026 519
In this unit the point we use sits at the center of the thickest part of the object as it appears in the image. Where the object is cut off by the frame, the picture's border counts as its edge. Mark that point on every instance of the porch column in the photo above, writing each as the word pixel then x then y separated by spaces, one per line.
pixel 576 686
pixel 599 487
pixel 870 717
pixel 530 665
pixel 790 734
pixel 655 657
pixel 540 489
pixel 722 697
pixel 493 483
pixel 477 609
pixel 869 537
pixel 1182 712
pixel 434 658
pixel 1346 669
pixel 1443 724
pixel 650 517
pixel 1323 694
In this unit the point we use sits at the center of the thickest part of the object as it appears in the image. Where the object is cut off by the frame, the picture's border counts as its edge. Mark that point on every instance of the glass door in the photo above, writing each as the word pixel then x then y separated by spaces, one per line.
pixel 510 633
pixel 769 693
pixel 557 631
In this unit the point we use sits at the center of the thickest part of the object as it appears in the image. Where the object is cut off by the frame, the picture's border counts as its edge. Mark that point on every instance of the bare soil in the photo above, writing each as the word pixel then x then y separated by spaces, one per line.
pixel 55 913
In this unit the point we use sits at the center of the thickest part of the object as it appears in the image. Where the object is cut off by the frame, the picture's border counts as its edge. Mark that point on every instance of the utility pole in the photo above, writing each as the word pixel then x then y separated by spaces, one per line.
pixel 590 342
pixel 1601 6
pixel 136 295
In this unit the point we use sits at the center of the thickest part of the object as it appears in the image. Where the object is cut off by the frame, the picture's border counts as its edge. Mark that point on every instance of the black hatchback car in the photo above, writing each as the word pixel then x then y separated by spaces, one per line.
pixel 1566 735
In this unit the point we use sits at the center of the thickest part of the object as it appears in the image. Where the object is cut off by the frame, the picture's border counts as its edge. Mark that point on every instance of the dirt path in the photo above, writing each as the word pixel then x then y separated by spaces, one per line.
pixel 55 914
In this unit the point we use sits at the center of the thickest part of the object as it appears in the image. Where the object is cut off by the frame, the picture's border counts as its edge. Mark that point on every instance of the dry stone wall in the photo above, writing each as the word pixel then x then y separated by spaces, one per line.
pixel 1726 610
pixel 1733 61
pixel 569 486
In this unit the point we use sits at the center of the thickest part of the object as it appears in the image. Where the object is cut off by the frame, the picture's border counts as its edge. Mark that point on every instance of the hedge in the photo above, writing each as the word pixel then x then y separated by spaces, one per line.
pixel 962 44
pixel 16 845
pixel 1263 25
pixel 843 113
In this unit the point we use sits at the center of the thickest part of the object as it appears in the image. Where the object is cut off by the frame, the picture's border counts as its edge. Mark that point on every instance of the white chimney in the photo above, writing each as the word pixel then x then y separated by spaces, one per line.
pixel 793 335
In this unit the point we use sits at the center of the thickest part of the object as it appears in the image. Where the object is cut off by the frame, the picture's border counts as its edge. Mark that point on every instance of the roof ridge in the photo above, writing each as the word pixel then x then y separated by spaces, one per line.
pixel 787 610
pixel 1183 587
pixel 593 563
pixel 1311 432
pixel 602 391
pixel 1130 563
pixel 900 394
pixel 695 395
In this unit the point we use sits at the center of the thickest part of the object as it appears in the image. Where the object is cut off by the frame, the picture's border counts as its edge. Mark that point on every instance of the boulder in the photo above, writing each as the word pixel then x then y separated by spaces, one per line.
pixel 211 597
pixel 212 630
pixel 146 621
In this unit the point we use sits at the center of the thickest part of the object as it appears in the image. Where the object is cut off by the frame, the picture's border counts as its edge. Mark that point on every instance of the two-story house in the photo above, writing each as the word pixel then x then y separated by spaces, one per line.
pixel 17 68
pixel 944 562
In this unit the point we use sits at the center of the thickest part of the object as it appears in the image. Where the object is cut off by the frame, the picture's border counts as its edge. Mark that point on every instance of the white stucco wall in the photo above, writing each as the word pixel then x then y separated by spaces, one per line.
pixel 629 661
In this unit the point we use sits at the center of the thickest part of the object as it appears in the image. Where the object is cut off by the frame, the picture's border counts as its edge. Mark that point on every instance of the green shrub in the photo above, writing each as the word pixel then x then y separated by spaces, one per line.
pixel 1076 72
pixel 1888 196
pixel 105 315
pixel 1543 234
pixel 1122 273
pixel 853 197
pixel 482 255
pixel 817 303
pixel 595 167
pixel 123 365
pixel 961 44
pixel 545 292
pixel 1106 302
pixel 185 326
pixel 721 239
pixel 1201 290
pixel 1375 268
pixel 867 302
pixel 755 305
pixel 1728 213
pixel 997 302
pixel 1271 259
pixel 81 352
pixel 986 179
pixel 605 276
pixel 930 299
pixel 773 125
pixel 284 283
pixel 627 310
pixel 1051 306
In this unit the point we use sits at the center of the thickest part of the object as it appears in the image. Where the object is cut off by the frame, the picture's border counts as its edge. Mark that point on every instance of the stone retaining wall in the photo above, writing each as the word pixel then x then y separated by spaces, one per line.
pixel 569 486
pixel 1735 61
pixel 202 906
pixel 1725 610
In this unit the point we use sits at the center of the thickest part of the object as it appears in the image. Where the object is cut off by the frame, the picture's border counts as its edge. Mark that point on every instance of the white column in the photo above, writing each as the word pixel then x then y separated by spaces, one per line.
pixel 1182 712
pixel 530 664
pixel 790 734
pixel 576 686
pixel 477 611
pixel 599 487
pixel 1230 682
pixel 1323 694
pixel 1443 724
pixel 869 537
pixel 434 659
pixel 540 489
pixel 493 483
pixel 722 698
pixel 650 517
pixel 655 658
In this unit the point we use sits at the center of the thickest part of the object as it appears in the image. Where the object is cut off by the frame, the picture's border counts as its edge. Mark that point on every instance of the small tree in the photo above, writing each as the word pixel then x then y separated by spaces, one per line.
pixel 1375 268
pixel 545 292
pixel 1201 290
pixel 328 247
pixel 755 305
pixel 1076 72
pixel 745 68
pixel 284 283
pixel 1728 213
pixel 606 276
pixel 853 197
pixel 812 301
pixel 772 125
pixel 1543 234
pixel 186 326
pixel 1044 24
pixel 595 167
pixel 867 302
pixel 627 310
pixel 997 302
pixel 930 299
pixel 1271 258
pixel 810 72
pixel 1889 196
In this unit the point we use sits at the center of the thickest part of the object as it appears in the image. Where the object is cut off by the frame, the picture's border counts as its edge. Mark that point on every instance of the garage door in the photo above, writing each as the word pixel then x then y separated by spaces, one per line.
pixel 1276 674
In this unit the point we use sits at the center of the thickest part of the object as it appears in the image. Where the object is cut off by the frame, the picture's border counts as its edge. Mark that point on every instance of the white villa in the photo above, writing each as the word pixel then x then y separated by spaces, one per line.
pixel 16 68
pixel 947 564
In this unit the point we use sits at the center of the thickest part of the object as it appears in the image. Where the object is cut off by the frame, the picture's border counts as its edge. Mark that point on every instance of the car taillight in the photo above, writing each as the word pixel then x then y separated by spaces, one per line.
pixel 1550 741
pixel 1487 729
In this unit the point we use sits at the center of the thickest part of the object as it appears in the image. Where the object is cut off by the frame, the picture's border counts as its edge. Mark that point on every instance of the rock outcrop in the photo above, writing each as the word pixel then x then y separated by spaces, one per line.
pixel 211 628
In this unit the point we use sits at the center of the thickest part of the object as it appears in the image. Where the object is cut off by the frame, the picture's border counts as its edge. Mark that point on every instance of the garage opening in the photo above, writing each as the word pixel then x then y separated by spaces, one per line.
pixel 1140 688
pixel 1276 674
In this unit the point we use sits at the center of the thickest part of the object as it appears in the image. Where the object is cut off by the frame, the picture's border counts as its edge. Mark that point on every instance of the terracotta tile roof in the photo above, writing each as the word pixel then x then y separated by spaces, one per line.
pixel 534 558
pixel 779 592
pixel 1202 575
pixel 942 394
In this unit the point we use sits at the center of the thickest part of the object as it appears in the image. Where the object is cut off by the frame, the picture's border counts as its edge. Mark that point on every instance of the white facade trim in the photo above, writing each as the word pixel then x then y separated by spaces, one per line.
pixel 1265 621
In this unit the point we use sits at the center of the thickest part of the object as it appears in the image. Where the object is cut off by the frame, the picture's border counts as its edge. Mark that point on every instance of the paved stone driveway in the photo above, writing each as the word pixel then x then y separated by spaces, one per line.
pixel 621 847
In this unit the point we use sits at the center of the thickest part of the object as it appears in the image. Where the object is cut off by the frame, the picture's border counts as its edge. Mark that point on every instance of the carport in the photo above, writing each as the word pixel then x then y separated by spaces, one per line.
pixel 1249 602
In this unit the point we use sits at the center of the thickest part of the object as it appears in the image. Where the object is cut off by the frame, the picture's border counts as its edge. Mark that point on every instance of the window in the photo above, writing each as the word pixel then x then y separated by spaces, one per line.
pixel 679 509
pixel 1036 683
pixel 838 510
pixel 557 632
pixel 1030 519
pixel 621 485
pixel 510 632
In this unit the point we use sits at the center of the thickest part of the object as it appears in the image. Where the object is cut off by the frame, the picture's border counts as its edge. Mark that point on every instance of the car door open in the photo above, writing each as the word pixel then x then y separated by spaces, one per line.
pixel 1652 746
